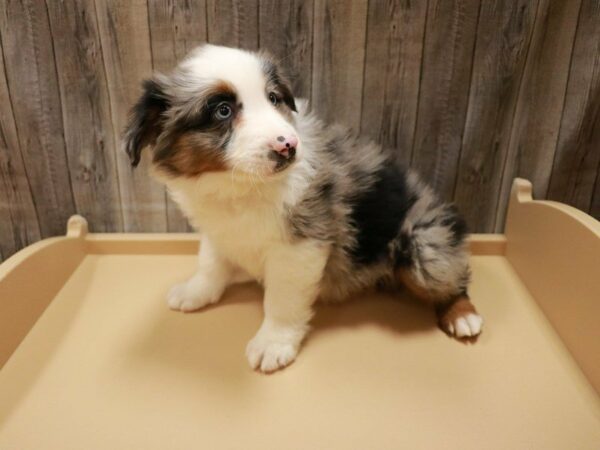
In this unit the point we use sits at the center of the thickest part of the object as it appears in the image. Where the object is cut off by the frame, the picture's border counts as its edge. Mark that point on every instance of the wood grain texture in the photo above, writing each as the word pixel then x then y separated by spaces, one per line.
pixel 503 36
pixel 125 42
pixel 285 31
pixel 578 151
pixel 394 47
pixel 31 75
pixel 338 60
pixel 89 137
pixel 19 225
pixel 233 23
pixel 176 27
pixel 541 100
pixel 471 93
pixel 595 206
pixel 444 93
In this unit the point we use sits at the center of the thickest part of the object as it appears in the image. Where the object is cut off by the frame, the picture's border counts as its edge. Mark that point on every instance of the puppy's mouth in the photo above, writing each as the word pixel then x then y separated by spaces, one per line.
pixel 282 159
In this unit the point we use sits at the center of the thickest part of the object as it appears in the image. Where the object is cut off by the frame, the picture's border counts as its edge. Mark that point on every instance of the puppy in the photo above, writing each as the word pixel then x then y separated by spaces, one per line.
pixel 306 209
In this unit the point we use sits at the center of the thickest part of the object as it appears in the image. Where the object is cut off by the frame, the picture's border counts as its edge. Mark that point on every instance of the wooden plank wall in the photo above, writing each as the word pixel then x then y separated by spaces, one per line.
pixel 471 93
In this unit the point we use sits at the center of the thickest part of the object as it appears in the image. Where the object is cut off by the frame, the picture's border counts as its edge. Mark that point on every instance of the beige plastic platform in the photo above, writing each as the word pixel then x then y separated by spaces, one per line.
pixel 93 358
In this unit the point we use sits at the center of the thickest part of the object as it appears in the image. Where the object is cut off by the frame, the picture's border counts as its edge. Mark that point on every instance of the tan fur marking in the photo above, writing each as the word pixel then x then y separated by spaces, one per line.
pixel 421 292
pixel 457 308
pixel 409 283
pixel 448 310
pixel 192 151
pixel 195 153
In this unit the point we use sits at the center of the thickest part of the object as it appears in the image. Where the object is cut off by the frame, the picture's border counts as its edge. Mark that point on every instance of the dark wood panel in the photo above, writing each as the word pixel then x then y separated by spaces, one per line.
pixel 285 31
pixel 541 100
pixel 503 36
pixel 18 220
pixel 31 74
pixel 233 23
pixel 89 137
pixel 595 207
pixel 338 60
pixel 176 27
pixel 578 152
pixel 471 93
pixel 125 38
pixel 447 64
pixel 394 47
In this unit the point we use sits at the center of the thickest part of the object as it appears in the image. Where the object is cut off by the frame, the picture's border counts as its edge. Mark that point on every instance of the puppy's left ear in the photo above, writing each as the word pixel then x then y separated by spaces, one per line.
pixel 145 119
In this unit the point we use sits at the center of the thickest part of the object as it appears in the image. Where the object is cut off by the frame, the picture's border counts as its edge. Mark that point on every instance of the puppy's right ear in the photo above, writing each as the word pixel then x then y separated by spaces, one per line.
pixel 145 119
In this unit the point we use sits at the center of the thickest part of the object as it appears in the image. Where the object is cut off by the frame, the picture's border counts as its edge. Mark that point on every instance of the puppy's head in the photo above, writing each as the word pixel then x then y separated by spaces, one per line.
pixel 222 109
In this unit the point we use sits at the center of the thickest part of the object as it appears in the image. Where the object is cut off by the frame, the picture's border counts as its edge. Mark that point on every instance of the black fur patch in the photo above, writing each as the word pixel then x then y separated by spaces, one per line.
pixel 378 213
pixel 325 190
pixel 145 120
pixel 197 139
pixel 457 225
pixel 280 84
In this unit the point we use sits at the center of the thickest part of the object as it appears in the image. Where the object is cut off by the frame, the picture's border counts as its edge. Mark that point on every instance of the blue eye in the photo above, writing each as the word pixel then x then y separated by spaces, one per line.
pixel 223 111
pixel 273 98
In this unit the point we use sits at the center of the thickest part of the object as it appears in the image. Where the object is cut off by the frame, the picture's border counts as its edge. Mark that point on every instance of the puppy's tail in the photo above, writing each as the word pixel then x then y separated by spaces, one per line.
pixel 431 250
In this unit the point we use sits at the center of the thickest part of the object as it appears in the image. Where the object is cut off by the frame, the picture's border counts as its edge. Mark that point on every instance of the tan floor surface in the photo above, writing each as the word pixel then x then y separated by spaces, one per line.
pixel 108 366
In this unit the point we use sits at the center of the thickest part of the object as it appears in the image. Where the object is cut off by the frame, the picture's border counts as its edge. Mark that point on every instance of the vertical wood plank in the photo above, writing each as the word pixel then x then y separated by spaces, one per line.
pixel 443 99
pixel 503 36
pixel 89 136
pixel 338 60
pixel 285 31
pixel 176 27
pixel 595 206
pixel 233 23
pixel 18 220
pixel 125 39
pixel 578 152
pixel 394 48
pixel 31 74
pixel 539 106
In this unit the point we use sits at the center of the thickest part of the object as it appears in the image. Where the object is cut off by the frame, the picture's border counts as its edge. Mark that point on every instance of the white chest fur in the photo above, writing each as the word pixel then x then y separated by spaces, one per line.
pixel 240 221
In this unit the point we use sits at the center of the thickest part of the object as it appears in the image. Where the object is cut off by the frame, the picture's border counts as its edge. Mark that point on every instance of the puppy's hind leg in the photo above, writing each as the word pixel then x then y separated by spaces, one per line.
pixel 432 262
pixel 207 285
pixel 455 312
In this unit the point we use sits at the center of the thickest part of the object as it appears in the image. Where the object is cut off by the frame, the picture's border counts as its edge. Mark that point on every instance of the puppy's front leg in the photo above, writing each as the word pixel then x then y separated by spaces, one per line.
pixel 292 276
pixel 207 285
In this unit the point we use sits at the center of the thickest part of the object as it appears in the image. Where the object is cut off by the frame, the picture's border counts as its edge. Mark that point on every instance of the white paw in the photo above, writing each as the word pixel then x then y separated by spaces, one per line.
pixel 192 295
pixel 466 326
pixel 269 351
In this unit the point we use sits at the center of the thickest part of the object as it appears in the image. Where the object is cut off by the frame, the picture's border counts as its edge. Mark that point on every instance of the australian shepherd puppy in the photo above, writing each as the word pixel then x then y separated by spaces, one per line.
pixel 308 210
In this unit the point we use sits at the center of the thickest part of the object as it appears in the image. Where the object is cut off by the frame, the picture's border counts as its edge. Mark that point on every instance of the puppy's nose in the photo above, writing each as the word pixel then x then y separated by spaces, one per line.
pixel 285 145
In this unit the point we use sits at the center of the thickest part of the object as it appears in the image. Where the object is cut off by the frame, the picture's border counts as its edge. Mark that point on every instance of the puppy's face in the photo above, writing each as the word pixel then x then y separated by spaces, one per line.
pixel 221 110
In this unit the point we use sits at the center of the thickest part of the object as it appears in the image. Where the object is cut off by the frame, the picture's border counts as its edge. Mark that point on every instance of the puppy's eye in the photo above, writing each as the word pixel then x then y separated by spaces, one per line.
pixel 273 98
pixel 223 111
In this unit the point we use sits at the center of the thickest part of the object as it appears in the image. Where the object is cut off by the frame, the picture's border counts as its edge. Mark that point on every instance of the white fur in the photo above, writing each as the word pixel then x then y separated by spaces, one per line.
pixel 206 286
pixel 260 123
pixel 245 223
pixel 241 218
pixel 467 326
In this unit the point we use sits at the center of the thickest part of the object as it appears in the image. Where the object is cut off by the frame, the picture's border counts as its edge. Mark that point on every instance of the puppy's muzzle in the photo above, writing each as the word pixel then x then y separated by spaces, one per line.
pixel 283 152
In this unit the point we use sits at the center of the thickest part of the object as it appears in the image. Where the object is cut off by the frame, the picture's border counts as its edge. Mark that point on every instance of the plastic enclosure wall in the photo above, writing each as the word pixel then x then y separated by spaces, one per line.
pixel 555 249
